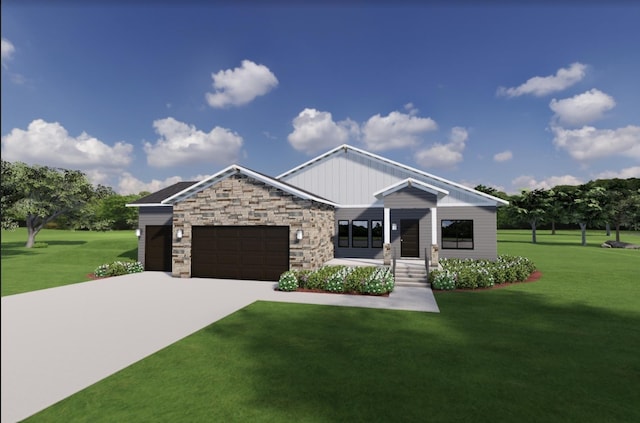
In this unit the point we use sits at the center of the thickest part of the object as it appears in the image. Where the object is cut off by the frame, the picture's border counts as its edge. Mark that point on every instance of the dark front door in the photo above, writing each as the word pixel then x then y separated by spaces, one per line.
pixel 409 245
pixel 157 248
pixel 240 252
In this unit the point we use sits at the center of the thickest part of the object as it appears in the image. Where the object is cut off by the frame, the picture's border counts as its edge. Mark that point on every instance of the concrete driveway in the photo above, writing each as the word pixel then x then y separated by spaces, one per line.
pixel 56 342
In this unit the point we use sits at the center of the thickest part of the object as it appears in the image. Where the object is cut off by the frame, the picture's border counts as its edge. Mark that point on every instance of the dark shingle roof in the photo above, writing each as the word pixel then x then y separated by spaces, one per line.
pixel 158 196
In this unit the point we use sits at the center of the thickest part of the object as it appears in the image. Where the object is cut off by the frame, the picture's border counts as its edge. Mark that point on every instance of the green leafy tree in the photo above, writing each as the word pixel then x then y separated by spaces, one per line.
pixel 620 202
pixel 45 193
pixel 113 208
pixel 532 205
pixel 586 208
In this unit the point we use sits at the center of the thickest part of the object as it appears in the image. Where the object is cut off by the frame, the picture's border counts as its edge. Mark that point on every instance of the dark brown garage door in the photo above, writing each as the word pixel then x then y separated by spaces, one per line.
pixel 157 249
pixel 240 252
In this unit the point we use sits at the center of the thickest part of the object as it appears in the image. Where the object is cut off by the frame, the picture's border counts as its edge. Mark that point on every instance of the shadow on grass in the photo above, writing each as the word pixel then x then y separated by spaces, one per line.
pixel 497 358
pixel 131 254
pixel 18 248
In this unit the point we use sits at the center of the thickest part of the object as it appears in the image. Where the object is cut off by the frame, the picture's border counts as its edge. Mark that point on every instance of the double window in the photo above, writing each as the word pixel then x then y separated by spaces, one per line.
pixel 358 235
pixel 457 234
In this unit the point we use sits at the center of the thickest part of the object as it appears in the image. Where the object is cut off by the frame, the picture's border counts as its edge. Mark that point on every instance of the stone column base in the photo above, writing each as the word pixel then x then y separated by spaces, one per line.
pixel 386 254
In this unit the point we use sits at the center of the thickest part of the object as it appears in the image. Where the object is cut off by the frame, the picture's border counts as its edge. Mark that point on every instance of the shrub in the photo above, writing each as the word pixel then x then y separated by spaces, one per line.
pixel 471 274
pixel 118 268
pixel 288 281
pixel 366 279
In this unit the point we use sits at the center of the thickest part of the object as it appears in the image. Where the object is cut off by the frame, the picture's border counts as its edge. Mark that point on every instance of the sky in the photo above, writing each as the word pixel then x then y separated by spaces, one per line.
pixel 140 95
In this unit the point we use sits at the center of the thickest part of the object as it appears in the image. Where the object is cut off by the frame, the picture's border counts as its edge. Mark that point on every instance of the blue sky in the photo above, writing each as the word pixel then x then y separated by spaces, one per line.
pixel 141 95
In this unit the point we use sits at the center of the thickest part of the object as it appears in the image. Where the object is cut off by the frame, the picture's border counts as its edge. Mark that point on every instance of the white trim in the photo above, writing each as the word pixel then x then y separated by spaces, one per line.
pixel 148 205
pixel 386 221
pixel 434 226
pixel 233 170
pixel 360 206
pixel 410 182
pixel 347 147
pixel 467 205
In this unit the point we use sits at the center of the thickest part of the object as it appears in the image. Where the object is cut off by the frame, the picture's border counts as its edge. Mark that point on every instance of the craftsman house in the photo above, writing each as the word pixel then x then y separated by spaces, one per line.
pixel 347 202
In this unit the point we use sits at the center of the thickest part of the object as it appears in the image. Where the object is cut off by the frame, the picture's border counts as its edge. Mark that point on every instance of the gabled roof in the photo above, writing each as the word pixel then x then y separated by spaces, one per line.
pixel 157 197
pixel 235 170
pixel 410 182
pixel 400 166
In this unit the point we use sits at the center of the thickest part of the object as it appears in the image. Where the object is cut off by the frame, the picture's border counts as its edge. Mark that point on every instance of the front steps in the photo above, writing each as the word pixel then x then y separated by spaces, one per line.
pixel 411 273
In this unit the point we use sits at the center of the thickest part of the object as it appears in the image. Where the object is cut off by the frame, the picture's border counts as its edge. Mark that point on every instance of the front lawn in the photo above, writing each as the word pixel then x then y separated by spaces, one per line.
pixel 69 256
pixel 562 349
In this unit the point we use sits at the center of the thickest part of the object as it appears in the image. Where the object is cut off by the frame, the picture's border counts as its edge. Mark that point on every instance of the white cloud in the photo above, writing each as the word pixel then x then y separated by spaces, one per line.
pixel 582 108
pixel 542 85
pixel 182 144
pixel 444 155
pixel 396 130
pixel 235 87
pixel 588 143
pixel 503 156
pixel 314 131
pixel 6 50
pixel 529 182
pixel 129 184
pixel 629 172
pixel 50 144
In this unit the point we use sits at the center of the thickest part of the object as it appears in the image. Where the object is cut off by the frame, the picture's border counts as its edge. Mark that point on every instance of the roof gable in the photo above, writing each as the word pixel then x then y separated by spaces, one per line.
pixel 235 170
pixel 350 176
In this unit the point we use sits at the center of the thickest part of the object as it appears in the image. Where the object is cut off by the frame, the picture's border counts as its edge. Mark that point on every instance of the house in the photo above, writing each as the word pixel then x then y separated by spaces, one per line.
pixel 347 202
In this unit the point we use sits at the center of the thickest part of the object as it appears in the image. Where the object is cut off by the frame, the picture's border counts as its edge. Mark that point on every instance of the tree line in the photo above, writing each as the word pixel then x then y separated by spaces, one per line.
pixel 599 204
pixel 41 196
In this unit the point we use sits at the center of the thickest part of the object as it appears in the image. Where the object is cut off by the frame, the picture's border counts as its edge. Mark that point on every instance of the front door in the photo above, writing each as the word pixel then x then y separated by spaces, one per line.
pixel 409 236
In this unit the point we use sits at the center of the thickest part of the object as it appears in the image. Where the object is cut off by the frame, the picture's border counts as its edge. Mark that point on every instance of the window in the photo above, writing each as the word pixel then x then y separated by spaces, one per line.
pixel 457 234
pixel 376 234
pixel 343 233
pixel 359 233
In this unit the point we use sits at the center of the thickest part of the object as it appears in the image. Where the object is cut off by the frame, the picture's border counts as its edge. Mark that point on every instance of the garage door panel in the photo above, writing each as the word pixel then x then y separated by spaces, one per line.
pixel 240 252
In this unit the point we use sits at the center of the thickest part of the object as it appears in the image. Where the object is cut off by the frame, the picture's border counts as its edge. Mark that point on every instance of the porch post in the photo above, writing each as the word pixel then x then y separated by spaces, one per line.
pixel 387 225
pixel 386 250
pixel 434 225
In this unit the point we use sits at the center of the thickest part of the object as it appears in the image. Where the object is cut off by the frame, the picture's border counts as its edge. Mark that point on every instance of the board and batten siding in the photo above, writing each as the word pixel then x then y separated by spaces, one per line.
pixel 152 216
pixel 485 238
pixel 351 178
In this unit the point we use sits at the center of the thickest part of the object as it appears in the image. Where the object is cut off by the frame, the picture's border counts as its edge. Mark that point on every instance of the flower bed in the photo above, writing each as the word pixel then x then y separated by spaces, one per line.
pixel 473 274
pixel 118 268
pixel 367 280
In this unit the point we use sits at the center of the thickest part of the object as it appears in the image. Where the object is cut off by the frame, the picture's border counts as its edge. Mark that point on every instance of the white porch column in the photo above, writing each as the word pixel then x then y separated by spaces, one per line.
pixel 434 226
pixel 387 225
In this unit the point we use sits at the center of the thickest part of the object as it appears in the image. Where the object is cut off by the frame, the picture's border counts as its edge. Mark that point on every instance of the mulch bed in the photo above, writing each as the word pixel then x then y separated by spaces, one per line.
pixel 93 277
pixel 321 291
pixel 532 278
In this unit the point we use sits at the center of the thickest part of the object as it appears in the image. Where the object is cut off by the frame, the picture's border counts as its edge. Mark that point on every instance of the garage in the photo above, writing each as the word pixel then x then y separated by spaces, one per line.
pixel 240 252
pixel 157 255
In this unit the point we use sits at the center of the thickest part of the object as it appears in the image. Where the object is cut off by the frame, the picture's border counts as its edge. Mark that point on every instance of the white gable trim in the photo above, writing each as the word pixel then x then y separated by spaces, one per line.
pixel 234 170
pixel 410 182
pixel 346 147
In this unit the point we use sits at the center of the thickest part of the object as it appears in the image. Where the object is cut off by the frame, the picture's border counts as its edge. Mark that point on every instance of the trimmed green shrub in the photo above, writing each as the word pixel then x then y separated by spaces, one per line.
pixel 472 274
pixel 288 281
pixel 118 268
pixel 365 279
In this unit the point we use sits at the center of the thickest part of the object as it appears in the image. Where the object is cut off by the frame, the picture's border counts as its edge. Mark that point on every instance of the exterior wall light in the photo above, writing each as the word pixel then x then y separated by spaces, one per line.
pixel 299 234
pixel 179 234
pixel 138 232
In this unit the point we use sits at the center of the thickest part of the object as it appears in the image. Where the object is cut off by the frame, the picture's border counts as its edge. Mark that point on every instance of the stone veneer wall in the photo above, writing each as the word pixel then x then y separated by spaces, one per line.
pixel 243 201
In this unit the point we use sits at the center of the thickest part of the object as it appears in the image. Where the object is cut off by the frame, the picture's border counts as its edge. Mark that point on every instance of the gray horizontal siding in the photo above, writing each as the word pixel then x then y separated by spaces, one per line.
pixel 357 214
pixel 152 216
pixel 410 198
pixel 424 231
pixel 484 231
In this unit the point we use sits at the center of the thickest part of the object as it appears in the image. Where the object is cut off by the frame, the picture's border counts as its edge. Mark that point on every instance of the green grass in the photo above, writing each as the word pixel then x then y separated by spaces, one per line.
pixel 68 257
pixel 563 349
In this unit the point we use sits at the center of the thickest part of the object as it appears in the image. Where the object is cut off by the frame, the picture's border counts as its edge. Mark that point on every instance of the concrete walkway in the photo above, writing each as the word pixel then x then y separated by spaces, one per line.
pixel 56 342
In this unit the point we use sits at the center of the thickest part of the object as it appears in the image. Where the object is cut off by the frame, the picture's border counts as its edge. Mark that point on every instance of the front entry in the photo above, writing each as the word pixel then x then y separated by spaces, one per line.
pixel 409 238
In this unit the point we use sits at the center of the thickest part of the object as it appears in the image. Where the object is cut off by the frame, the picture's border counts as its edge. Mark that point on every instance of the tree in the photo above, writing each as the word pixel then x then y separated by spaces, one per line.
pixel 557 209
pixel 532 205
pixel 9 195
pixel 586 208
pixel 44 193
pixel 620 202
